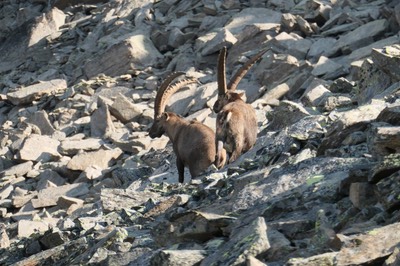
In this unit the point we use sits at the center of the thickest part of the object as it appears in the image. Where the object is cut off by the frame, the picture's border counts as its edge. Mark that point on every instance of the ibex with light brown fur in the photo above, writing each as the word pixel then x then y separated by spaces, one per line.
pixel 193 142
pixel 236 120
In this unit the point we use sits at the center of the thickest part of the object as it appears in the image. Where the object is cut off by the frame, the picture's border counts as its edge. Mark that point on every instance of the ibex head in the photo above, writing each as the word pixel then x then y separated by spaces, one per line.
pixel 164 92
pixel 227 94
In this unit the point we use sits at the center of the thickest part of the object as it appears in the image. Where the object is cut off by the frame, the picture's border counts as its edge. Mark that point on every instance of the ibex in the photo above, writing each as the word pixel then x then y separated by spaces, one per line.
pixel 236 120
pixel 193 142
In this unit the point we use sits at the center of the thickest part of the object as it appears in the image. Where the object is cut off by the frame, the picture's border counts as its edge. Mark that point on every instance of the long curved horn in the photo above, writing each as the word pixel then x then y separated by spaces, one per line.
pixel 166 91
pixel 243 70
pixel 221 75
pixel 167 81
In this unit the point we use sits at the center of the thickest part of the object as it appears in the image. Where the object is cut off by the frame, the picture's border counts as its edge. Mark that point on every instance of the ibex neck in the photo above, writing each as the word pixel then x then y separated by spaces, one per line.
pixel 173 127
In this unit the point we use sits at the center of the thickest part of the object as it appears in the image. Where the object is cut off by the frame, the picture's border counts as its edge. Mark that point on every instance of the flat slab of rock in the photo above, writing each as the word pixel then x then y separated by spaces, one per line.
pixel 49 196
pixel 372 245
pixel 28 94
pixel 100 158
pixel 72 147
pixel 39 148
pixel 17 170
pixel 134 52
pixel 117 199
pixel 250 16
pixel 27 228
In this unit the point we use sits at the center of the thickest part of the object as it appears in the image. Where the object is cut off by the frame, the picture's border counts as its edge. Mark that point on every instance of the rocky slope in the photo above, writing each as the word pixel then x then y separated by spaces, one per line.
pixel 81 183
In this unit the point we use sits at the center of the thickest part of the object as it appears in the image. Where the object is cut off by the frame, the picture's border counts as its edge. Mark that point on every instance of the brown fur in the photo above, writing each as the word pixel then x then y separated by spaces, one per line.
pixel 193 142
pixel 236 121
pixel 236 128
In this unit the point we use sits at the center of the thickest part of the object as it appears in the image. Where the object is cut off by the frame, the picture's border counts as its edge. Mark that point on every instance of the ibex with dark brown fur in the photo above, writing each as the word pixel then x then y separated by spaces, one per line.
pixel 193 142
pixel 236 120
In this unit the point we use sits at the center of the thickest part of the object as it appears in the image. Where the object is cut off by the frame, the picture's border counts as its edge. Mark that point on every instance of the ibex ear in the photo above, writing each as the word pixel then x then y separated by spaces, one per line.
pixel 166 116
pixel 241 94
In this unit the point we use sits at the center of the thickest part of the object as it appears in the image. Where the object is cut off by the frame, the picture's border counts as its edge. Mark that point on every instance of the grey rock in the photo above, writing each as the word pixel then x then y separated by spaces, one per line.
pixel 41 120
pixel 34 150
pixel 136 51
pixel 387 59
pixel 361 36
pixel 100 158
pixel 49 196
pixel 17 170
pixel 101 124
pixel 124 110
pixel 177 257
pixel 250 16
pixel 33 92
pixel 71 146
pixel 251 240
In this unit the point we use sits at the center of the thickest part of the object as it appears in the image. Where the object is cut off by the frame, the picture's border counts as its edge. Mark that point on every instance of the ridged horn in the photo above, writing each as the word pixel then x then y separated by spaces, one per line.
pixel 167 81
pixel 166 90
pixel 243 70
pixel 221 75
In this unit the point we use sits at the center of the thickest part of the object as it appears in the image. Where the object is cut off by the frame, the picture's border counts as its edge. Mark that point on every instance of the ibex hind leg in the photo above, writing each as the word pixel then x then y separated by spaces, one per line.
pixel 237 149
pixel 181 170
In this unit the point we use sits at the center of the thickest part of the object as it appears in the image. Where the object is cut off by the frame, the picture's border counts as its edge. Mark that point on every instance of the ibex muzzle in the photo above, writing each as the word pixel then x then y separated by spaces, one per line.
pixel 193 142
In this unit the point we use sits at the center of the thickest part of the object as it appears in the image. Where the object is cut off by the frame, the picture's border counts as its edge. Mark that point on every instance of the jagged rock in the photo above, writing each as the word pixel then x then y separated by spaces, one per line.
pixel 17 170
pixel 315 94
pixel 250 16
pixel 31 93
pixel 193 225
pixel 327 68
pixel 101 124
pixel 386 167
pixel 65 202
pixel 71 146
pixel 348 122
pixel 273 68
pixel 4 239
pixel 50 196
pixel 134 52
pixel 390 115
pixel 177 257
pixel 34 150
pixel 46 25
pixel 252 261
pixel 251 240
pixel 168 204
pixel 293 44
pixel 321 47
pixel 27 228
pixel 117 199
pixel 6 191
pixel 41 120
pixel 361 36
pixel 372 82
pixel 387 59
pixel 322 259
pixel 281 119
pixel 52 239
pixel 387 191
pixel 383 139
pixel 373 245
pixel 49 176
pixel 100 158
pixel 221 39
pixel 124 110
